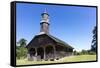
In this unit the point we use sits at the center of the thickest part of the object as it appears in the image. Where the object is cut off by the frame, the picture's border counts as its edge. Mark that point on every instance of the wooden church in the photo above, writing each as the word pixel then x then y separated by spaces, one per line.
pixel 46 47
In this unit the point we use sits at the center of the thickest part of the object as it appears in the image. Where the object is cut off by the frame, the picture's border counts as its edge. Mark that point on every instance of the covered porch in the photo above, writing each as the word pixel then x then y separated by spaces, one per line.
pixel 49 52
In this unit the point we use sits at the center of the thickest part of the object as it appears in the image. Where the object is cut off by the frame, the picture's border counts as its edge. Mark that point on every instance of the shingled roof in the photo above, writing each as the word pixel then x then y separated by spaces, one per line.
pixel 60 41
pixel 53 38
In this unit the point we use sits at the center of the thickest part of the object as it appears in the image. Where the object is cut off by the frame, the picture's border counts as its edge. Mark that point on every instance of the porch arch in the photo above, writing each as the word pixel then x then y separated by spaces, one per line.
pixel 32 52
pixel 40 52
pixel 50 52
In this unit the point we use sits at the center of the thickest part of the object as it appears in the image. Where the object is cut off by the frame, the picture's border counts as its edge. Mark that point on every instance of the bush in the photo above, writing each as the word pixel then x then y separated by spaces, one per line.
pixel 21 52
pixel 84 52
pixel 76 53
pixel 92 53
pixel 51 59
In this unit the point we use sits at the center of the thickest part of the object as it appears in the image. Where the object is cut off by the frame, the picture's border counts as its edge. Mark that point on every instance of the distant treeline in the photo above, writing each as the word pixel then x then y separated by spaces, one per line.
pixel 84 52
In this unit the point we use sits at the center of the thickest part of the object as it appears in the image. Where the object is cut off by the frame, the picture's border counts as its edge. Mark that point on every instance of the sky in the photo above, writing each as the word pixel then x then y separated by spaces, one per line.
pixel 72 24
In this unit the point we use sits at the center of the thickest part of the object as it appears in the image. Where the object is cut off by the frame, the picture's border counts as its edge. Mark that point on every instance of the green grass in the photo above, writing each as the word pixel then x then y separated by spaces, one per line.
pixel 79 58
pixel 65 59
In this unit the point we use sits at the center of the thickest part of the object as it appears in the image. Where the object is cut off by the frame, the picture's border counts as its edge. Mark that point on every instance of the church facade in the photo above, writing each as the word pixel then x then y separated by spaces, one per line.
pixel 46 47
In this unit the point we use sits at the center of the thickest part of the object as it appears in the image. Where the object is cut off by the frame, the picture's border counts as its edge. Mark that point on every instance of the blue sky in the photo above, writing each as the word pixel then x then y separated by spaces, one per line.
pixel 72 24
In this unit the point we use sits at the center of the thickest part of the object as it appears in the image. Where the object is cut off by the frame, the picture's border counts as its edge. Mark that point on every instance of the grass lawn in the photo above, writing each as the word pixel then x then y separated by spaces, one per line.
pixel 65 59
pixel 79 58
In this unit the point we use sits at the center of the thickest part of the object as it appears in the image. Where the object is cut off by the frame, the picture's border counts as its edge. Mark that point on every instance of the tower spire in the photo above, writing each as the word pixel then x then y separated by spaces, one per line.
pixel 44 22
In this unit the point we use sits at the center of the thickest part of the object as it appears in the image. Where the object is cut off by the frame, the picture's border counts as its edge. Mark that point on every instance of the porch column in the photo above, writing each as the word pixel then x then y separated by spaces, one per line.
pixel 35 58
pixel 44 53
pixel 35 51
pixel 54 51
pixel 28 56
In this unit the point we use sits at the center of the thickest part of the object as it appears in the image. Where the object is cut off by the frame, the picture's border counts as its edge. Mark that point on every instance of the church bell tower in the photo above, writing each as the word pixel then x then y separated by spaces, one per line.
pixel 44 24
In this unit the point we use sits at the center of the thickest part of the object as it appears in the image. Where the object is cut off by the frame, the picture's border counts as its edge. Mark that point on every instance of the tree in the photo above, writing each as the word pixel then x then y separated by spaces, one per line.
pixel 94 40
pixel 22 42
pixel 21 51
pixel 85 52
pixel 75 52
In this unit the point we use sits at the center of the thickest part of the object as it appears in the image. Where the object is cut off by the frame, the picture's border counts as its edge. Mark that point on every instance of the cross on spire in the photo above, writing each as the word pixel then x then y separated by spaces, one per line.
pixel 45 10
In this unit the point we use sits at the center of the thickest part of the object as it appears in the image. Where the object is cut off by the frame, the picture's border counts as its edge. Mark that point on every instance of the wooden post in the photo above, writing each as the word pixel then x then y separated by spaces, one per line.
pixel 54 51
pixel 28 56
pixel 44 53
pixel 35 58
pixel 36 51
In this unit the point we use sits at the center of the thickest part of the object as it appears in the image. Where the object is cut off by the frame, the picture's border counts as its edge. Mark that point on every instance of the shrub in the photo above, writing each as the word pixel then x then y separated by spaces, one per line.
pixel 21 52
pixel 51 59
pixel 92 53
